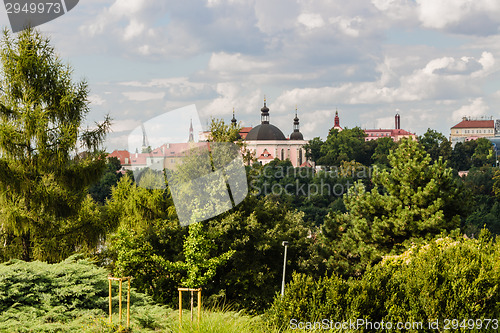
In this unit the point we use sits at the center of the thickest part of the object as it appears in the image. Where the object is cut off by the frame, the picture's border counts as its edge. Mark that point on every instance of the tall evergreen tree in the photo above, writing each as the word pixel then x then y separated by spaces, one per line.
pixel 43 175
pixel 414 199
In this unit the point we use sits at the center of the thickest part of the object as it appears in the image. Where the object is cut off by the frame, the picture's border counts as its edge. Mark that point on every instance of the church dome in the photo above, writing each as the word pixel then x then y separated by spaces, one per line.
pixel 296 136
pixel 265 132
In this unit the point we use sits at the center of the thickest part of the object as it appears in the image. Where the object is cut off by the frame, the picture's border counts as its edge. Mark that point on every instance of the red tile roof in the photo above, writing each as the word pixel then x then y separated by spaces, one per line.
pixel 390 132
pixel 244 131
pixel 121 155
pixel 475 124
pixel 139 160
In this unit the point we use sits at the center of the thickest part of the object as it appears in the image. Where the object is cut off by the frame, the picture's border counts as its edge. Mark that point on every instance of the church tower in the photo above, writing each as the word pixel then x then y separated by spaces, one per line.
pixel 233 121
pixel 337 122
pixel 296 135
pixel 191 136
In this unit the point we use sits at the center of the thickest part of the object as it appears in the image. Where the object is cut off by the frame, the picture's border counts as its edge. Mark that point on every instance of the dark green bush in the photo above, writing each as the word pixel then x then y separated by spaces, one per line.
pixel 45 297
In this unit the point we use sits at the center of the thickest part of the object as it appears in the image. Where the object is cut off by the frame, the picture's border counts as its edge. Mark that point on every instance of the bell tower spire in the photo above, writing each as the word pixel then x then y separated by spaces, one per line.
pixel 296 135
pixel 264 115
pixel 233 121
pixel 191 136
pixel 336 124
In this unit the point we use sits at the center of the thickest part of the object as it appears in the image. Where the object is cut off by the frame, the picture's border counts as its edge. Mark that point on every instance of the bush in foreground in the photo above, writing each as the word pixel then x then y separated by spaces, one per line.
pixel 65 297
pixel 444 279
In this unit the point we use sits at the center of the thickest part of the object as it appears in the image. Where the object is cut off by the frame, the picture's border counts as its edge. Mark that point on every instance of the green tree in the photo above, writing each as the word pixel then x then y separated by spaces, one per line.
pixel 313 149
pixel 43 177
pixel 384 146
pixel 101 190
pixel 414 199
pixel 462 157
pixel 222 132
pixel 255 230
pixel 199 265
pixel 483 153
pixel 147 234
pixel 343 145
pixel 436 145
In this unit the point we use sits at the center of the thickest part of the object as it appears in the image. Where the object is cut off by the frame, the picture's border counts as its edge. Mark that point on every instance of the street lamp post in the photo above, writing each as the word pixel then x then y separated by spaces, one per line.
pixel 285 244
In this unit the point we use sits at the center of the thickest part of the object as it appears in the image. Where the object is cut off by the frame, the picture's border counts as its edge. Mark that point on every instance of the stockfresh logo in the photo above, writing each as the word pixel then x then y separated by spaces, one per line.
pixel 25 14
pixel 205 179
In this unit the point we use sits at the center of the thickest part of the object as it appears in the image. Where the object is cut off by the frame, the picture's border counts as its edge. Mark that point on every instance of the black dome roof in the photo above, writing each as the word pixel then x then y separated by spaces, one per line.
pixel 296 136
pixel 265 132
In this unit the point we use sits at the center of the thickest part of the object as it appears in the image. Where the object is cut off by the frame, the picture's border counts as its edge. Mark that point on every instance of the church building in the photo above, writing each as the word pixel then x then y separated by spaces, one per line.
pixel 267 142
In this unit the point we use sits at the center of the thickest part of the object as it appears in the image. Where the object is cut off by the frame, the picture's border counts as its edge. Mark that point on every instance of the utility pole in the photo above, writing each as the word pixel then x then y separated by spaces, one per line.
pixel 285 244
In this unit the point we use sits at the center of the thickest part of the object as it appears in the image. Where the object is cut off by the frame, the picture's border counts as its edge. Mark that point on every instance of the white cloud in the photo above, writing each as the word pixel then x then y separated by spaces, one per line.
pixel 225 62
pixel 124 125
pixel 349 26
pixel 242 97
pixel 476 108
pixel 134 29
pixel 477 17
pixel 311 20
pixel 96 100
pixel 141 96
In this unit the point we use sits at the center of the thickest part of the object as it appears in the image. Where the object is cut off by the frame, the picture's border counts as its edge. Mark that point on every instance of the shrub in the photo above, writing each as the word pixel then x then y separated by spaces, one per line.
pixel 444 279
pixel 63 297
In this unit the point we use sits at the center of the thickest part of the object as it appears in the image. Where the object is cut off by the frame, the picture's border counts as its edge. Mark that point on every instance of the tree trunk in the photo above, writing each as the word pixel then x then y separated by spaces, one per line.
pixel 26 240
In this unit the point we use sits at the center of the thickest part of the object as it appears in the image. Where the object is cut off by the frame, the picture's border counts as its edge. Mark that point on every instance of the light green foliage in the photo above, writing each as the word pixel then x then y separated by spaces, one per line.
pixel 445 278
pixel 222 132
pixel 414 199
pixel 199 265
pixel 149 243
pixel 309 299
pixel 147 235
pixel 222 321
pixel 43 179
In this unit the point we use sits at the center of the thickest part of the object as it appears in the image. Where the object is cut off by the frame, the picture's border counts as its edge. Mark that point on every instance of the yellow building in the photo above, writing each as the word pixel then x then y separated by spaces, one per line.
pixel 472 129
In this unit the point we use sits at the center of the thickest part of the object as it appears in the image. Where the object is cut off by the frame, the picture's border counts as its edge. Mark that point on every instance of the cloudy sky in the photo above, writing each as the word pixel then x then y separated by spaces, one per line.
pixel 433 61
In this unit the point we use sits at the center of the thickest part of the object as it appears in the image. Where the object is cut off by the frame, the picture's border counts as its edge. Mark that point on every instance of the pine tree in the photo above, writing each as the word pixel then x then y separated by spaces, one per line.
pixel 43 176
pixel 414 199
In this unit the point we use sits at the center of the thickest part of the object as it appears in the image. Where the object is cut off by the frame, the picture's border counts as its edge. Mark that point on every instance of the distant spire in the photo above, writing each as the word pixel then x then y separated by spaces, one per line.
pixel 337 119
pixel 145 143
pixel 191 136
pixel 296 135
pixel 233 121
pixel 296 121
pixel 264 116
